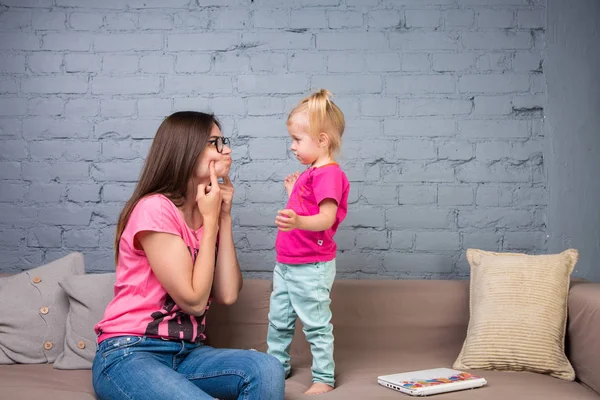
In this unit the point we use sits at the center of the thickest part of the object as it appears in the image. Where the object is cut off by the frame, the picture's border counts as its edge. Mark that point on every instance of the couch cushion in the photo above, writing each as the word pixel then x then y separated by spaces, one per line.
pixel 583 344
pixel 357 371
pixel 88 297
pixel 366 314
pixel 33 382
pixel 518 312
pixel 34 311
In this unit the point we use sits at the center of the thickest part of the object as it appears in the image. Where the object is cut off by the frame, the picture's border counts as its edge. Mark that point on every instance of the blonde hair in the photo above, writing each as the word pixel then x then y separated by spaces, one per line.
pixel 323 116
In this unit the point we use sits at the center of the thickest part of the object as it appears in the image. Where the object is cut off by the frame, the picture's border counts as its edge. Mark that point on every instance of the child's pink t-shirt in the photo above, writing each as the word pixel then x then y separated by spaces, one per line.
pixel 141 306
pixel 312 187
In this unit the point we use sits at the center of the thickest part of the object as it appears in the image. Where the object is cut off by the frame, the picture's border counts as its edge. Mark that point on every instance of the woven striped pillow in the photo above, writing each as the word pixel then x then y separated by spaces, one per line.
pixel 518 313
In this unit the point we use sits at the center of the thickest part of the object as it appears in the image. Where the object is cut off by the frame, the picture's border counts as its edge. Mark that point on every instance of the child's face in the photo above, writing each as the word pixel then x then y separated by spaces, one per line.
pixel 305 147
pixel 222 160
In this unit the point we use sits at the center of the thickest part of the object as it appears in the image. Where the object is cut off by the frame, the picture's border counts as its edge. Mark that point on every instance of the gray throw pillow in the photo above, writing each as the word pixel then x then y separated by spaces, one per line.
pixel 34 311
pixel 88 297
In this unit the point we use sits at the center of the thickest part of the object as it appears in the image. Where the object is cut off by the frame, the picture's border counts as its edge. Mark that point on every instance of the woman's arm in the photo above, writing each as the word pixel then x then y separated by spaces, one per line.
pixel 188 283
pixel 228 277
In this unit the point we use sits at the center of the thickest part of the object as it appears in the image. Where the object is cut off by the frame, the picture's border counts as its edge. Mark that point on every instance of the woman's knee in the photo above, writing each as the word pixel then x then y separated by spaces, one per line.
pixel 274 367
pixel 267 366
pixel 269 377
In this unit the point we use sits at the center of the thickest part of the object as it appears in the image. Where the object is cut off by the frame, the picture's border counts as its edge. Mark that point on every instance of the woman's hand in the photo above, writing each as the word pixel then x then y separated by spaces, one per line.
pixel 226 196
pixel 209 198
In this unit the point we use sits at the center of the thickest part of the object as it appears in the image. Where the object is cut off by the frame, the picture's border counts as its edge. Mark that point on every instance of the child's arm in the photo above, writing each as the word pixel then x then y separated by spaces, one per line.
pixel 288 219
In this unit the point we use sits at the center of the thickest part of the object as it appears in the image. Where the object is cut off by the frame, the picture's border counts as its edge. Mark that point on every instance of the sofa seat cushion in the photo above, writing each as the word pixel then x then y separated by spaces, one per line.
pixel 41 381
pixel 357 372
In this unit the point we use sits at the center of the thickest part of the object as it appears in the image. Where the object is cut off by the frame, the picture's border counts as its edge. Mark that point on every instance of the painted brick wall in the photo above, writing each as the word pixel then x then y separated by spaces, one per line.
pixel 443 100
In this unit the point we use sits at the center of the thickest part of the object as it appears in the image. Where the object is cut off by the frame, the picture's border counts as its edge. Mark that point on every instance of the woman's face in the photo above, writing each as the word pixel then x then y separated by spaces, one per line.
pixel 221 159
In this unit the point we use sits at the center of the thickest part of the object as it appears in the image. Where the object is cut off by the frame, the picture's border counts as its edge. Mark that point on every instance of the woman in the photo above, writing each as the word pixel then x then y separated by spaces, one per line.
pixel 174 255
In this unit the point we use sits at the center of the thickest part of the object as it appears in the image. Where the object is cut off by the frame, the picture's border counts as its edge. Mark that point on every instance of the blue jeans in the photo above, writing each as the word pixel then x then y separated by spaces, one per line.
pixel 138 367
pixel 302 291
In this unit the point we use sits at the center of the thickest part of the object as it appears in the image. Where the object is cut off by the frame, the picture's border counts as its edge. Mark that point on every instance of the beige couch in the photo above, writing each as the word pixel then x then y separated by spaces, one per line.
pixel 381 327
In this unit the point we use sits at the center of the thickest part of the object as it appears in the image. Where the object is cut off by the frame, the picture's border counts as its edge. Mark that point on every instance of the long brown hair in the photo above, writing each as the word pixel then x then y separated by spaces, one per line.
pixel 179 142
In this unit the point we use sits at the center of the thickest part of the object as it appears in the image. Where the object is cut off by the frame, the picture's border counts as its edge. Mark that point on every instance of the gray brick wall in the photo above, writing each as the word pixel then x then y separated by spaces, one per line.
pixel 444 102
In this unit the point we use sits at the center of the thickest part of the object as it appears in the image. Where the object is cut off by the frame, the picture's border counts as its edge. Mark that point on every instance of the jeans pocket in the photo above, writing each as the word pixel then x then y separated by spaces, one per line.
pixel 119 343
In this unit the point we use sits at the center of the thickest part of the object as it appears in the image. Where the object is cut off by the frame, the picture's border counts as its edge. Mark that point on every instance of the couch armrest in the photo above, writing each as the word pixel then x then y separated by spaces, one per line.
pixel 583 332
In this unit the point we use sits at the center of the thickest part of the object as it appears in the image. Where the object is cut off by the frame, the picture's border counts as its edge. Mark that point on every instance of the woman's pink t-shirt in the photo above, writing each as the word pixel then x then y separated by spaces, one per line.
pixel 141 306
pixel 312 187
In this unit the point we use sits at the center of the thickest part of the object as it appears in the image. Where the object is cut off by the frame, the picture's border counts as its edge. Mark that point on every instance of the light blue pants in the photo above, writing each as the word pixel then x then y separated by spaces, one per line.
pixel 302 290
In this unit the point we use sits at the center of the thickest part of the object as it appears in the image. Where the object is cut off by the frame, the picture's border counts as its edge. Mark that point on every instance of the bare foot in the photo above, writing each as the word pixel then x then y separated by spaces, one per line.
pixel 318 388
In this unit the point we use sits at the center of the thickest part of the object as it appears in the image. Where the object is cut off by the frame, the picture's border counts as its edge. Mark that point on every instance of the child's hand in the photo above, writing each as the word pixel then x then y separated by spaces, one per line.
pixel 286 220
pixel 289 182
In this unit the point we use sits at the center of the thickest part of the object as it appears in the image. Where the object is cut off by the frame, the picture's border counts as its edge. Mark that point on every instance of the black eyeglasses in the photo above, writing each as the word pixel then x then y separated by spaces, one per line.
pixel 219 142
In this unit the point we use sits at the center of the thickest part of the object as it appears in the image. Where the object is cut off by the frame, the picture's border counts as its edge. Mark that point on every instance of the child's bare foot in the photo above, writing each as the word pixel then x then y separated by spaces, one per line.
pixel 318 388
